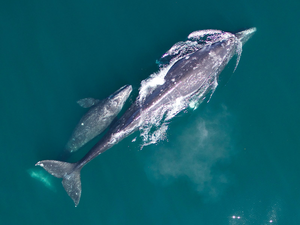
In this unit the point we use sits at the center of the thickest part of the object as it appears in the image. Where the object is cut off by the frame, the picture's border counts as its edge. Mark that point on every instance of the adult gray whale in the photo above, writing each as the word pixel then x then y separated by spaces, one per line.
pixel 191 74
pixel 98 118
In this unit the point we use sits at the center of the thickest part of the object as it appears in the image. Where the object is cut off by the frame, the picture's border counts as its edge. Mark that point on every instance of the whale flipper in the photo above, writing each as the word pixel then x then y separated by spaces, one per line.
pixel 70 174
pixel 88 102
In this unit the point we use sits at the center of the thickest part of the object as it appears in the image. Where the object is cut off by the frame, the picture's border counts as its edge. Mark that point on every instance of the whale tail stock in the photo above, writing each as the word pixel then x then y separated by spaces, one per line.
pixel 69 173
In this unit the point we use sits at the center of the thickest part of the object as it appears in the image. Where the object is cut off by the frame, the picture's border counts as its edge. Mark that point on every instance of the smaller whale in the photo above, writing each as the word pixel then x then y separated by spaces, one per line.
pixel 98 118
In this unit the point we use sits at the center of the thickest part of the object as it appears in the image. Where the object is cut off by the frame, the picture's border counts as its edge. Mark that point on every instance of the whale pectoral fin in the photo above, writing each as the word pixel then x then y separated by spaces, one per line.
pixel 88 102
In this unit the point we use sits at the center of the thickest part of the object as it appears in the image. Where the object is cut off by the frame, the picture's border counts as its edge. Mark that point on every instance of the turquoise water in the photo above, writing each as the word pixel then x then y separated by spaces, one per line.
pixel 235 160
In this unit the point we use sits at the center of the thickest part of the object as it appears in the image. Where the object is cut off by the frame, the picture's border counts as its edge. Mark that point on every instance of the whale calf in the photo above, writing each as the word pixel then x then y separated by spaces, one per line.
pixel 189 73
pixel 98 118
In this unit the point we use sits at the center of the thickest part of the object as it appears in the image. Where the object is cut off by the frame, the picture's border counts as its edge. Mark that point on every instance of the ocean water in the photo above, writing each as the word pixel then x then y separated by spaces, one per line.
pixel 235 160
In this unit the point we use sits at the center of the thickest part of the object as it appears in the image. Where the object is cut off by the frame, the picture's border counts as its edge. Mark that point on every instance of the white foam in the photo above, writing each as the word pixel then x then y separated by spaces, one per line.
pixel 153 127
pixel 149 84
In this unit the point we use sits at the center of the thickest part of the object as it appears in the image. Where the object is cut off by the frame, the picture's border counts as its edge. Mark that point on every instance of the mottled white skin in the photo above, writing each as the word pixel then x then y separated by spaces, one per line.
pixel 98 118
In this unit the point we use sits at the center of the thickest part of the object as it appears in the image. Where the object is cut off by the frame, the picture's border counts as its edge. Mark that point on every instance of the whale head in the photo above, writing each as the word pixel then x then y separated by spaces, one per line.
pixel 119 97
pixel 245 35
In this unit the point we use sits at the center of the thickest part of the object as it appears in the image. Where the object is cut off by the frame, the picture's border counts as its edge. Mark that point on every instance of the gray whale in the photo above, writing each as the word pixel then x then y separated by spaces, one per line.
pixel 192 73
pixel 98 118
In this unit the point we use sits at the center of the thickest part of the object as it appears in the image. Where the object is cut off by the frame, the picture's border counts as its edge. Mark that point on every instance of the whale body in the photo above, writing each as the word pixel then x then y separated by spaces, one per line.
pixel 189 72
pixel 98 118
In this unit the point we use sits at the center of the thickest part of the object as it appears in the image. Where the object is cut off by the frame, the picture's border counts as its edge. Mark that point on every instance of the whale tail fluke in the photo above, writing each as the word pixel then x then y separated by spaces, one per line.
pixel 69 173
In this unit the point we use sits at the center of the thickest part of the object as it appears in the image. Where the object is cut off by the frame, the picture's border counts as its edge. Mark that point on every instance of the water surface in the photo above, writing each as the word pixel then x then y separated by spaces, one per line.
pixel 232 161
